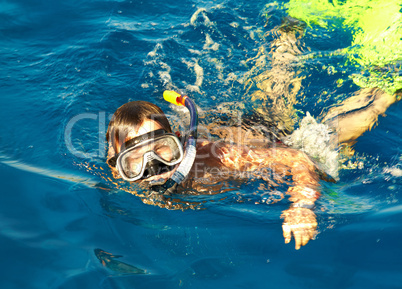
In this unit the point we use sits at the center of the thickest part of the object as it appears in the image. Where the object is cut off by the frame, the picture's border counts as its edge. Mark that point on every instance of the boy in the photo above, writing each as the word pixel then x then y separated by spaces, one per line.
pixel 143 147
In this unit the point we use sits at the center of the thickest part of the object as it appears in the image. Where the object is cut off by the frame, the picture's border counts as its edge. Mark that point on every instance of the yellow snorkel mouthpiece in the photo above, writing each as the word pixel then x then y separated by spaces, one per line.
pixel 174 97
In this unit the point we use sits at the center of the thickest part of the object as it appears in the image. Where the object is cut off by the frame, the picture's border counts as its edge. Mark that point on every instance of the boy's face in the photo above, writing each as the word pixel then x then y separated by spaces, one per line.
pixel 146 127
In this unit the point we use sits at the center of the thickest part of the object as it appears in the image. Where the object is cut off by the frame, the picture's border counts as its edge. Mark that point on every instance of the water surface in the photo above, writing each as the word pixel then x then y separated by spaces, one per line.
pixel 67 65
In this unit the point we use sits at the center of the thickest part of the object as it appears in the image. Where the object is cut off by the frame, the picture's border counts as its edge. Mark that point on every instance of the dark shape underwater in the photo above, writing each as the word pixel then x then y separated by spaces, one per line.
pixel 107 260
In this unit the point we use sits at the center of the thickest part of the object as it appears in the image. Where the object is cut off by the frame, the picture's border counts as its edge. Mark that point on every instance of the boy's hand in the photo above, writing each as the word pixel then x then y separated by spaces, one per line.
pixel 302 223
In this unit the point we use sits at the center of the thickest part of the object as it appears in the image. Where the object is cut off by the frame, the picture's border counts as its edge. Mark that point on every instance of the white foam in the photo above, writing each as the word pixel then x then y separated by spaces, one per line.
pixel 199 74
pixel 210 44
pixel 165 77
pixel 230 78
pixel 193 88
pixel 234 24
pixel 154 59
pixel 314 139
pixel 194 17
pixel 124 25
pixel 153 53
pixel 394 171
pixel 194 51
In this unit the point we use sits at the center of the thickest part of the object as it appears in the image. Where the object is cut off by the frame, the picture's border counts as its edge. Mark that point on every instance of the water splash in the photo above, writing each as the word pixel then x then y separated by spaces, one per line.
pixel 315 140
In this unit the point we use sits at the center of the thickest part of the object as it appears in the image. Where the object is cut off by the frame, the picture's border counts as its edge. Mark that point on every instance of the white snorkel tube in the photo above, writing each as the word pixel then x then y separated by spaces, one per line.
pixel 190 146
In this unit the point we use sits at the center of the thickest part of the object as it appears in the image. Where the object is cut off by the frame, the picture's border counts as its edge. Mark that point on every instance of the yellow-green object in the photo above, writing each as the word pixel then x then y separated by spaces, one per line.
pixel 174 97
pixel 376 27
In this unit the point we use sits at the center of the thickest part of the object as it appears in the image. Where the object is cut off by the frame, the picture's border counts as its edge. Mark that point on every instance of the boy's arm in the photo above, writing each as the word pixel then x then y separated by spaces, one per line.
pixel 299 219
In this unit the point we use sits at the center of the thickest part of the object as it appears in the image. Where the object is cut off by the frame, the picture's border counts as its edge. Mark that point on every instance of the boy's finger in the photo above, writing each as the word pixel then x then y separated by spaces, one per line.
pixel 287 233
pixel 305 239
pixel 298 240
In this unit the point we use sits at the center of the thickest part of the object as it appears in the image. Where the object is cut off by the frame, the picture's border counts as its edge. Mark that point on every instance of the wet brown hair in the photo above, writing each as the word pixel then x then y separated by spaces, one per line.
pixel 129 117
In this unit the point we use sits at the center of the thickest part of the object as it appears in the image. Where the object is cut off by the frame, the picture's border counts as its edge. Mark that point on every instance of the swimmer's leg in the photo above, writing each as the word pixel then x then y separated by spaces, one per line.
pixel 272 83
pixel 358 113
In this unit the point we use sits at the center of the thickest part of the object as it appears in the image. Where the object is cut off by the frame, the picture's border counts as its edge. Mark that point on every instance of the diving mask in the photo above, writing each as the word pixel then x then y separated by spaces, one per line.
pixel 147 155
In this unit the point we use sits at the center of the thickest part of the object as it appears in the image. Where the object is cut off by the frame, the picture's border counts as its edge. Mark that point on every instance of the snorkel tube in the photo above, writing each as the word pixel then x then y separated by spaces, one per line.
pixel 190 146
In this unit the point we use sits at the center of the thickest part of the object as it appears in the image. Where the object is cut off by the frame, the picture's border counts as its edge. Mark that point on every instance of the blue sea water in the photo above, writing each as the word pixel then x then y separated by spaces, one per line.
pixel 66 66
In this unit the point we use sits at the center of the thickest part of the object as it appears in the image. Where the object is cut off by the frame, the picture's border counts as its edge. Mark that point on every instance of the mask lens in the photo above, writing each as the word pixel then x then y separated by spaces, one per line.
pixel 166 149
pixel 131 165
